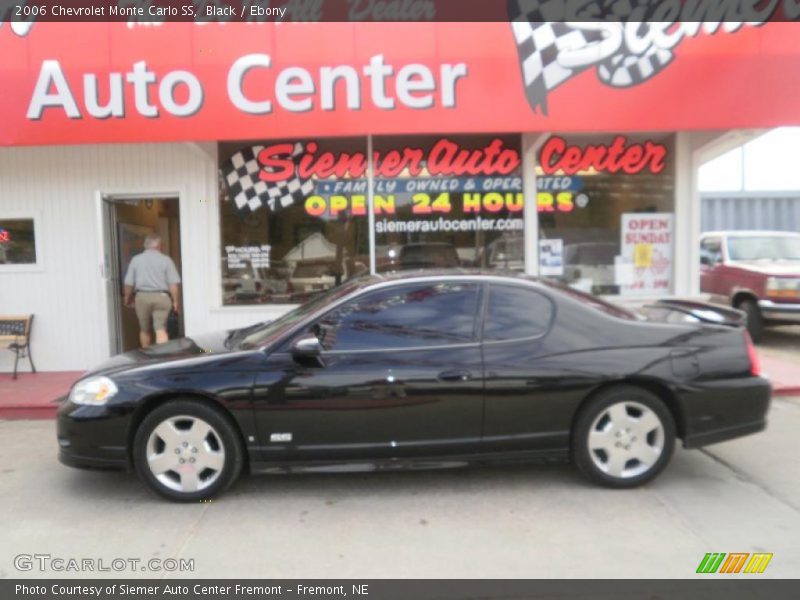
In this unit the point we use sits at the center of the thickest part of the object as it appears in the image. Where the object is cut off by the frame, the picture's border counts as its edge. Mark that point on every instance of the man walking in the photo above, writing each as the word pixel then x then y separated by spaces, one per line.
pixel 153 279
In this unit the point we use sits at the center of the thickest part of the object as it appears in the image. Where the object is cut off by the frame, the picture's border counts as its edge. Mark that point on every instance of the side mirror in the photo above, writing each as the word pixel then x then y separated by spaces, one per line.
pixel 307 346
pixel 705 260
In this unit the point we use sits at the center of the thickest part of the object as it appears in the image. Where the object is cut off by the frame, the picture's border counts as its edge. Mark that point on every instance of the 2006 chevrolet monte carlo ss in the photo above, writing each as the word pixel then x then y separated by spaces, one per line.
pixel 423 370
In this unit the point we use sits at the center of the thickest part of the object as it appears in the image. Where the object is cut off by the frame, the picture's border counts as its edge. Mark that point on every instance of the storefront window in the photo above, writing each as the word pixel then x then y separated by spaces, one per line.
pixel 446 202
pixel 284 233
pixel 294 213
pixel 17 242
pixel 605 207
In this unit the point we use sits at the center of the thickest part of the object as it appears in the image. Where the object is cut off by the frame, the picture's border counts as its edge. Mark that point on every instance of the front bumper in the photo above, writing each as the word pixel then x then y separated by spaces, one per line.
pixel 93 437
pixel 775 311
pixel 716 411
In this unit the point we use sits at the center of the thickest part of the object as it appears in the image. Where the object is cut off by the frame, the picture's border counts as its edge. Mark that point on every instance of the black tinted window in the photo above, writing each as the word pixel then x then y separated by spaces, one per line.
pixel 515 312
pixel 419 315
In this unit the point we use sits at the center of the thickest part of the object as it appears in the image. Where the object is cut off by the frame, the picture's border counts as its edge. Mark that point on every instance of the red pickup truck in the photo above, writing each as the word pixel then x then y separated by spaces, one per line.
pixel 755 271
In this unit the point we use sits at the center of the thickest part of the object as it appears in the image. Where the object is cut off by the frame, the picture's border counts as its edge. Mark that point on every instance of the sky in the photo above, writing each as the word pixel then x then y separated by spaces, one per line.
pixel 767 163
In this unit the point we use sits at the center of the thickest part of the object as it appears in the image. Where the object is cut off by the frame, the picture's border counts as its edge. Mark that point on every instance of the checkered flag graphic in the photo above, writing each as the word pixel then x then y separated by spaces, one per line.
pixel 249 192
pixel 542 34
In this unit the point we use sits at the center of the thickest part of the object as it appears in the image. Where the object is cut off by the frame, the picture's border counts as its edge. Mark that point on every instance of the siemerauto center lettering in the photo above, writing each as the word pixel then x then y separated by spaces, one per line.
pixel 253 87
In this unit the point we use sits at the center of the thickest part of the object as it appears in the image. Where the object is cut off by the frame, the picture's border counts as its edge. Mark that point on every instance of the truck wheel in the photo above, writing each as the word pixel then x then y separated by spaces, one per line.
pixel 755 322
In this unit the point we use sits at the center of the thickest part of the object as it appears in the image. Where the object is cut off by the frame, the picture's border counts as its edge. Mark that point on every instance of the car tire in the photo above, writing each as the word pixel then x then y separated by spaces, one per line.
pixel 755 322
pixel 187 451
pixel 623 437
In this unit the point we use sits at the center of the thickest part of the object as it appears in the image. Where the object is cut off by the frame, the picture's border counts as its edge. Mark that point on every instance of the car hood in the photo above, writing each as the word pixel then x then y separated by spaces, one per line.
pixel 776 268
pixel 182 348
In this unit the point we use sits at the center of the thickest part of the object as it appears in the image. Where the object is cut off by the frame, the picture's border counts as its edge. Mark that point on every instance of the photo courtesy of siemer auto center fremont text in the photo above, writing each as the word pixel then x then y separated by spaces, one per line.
pixel 445 299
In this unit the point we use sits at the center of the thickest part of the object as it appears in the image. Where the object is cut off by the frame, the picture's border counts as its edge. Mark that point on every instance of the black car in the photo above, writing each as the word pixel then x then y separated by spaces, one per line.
pixel 422 370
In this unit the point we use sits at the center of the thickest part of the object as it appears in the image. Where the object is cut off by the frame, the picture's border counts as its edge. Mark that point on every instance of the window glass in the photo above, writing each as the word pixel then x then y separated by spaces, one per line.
pixel 264 334
pixel 17 242
pixel 710 251
pixel 591 301
pixel 515 312
pixel 448 201
pixel 764 247
pixel 605 205
pixel 286 234
pixel 417 315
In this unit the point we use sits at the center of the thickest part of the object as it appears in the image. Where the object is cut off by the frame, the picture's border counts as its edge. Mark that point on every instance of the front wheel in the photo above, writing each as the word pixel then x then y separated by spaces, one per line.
pixel 623 437
pixel 187 451
pixel 755 322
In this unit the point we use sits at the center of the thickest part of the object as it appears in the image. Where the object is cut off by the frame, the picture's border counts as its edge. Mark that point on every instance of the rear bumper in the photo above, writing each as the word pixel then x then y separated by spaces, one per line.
pixel 723 435
pixel 717 411
pixel 773 311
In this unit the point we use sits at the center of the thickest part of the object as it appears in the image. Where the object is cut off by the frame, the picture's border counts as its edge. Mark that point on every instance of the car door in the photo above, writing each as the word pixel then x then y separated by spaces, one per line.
pixel 528 396
pixel 399 375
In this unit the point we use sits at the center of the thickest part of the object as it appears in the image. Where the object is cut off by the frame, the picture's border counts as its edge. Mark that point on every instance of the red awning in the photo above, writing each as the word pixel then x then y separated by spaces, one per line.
pixel 119 82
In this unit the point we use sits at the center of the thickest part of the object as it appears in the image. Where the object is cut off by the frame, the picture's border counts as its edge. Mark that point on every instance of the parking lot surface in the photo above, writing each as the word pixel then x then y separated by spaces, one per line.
pixel 514 522
pixel 783 342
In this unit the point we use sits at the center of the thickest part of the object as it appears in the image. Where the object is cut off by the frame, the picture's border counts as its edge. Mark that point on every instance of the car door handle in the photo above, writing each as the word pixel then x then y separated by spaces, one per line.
pixel 455 375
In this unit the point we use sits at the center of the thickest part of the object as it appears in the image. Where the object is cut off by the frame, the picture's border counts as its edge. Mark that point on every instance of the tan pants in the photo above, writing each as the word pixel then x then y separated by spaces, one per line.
pixel 152 308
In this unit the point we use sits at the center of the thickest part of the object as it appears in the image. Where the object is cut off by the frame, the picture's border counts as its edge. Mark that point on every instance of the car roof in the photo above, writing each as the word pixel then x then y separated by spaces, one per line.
pixel 412 275
pixel 751 233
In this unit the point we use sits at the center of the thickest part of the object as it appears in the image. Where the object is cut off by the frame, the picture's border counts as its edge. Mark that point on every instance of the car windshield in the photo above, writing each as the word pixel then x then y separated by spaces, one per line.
pixel 764 247
pixel 263 334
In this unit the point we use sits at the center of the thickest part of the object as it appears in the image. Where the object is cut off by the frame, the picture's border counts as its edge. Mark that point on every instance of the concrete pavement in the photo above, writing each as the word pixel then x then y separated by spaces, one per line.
pixel 543 521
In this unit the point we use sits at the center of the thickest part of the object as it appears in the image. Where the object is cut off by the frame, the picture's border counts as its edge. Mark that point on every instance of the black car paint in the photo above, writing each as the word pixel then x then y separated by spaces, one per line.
pixel 479 401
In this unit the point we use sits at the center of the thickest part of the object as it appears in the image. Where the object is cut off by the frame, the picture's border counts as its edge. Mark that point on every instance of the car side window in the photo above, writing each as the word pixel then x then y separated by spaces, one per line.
pixel 516 312
pixel 711 251
pixel 432 314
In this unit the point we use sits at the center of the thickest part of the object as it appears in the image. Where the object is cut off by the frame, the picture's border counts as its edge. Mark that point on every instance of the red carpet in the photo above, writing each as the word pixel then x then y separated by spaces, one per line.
pixel 33 395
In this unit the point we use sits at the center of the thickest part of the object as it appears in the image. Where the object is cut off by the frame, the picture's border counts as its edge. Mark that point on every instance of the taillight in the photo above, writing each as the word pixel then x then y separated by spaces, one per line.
pixel 755 364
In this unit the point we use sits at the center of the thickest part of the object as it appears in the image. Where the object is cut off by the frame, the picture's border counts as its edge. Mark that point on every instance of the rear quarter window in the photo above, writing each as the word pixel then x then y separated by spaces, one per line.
pixel 515 312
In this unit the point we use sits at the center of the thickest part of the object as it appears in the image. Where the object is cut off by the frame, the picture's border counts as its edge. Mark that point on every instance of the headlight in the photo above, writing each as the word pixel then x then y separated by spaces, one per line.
pixel 94 391
pixel 783 286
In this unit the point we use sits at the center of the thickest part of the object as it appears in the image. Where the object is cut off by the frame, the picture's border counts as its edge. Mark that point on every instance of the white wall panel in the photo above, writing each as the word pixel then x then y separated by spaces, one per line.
pixel 60 184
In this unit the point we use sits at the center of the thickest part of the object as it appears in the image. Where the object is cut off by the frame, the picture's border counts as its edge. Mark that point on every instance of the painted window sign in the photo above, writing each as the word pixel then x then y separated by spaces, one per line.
pixel 620 156
pixel 483 180
pixel 331 183
pixel 445 157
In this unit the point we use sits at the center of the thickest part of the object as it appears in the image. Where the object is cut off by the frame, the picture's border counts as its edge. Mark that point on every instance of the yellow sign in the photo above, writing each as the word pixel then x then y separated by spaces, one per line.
pixel 643 256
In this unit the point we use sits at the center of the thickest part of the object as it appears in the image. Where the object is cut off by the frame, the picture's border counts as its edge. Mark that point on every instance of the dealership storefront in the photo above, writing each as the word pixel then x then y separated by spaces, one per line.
pixel 273 172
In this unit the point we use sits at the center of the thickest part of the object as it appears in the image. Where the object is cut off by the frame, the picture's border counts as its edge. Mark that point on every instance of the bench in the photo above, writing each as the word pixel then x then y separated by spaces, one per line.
pixel 15 335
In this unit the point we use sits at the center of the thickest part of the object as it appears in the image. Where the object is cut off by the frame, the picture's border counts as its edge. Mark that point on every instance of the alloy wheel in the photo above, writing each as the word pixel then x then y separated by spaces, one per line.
pixel 185 453
pixel 626 440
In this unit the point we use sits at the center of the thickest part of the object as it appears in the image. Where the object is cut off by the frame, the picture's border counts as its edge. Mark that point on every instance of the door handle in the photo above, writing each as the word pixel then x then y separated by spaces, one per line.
pixel 455 375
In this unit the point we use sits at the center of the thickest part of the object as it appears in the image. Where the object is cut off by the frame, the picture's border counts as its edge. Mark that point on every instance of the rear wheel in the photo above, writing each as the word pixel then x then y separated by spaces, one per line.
pixel 187 451
pixel 755 322
pixel 623 437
